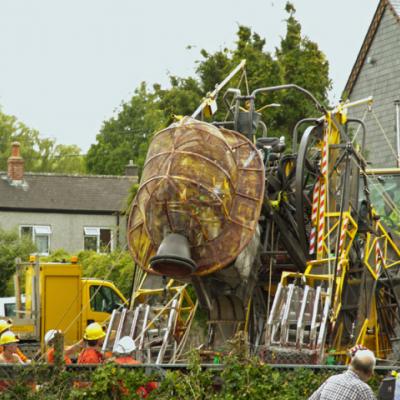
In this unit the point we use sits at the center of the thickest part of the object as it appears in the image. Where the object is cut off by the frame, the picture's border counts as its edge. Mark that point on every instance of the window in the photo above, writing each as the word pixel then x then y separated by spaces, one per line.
pixel 98 239
pixel 104 299
pixel 385 197
pixel 9 310
pixel 39 234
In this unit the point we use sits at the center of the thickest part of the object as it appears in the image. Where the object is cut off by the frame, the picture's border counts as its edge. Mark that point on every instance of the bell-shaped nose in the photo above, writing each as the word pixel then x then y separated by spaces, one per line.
pixel 173 257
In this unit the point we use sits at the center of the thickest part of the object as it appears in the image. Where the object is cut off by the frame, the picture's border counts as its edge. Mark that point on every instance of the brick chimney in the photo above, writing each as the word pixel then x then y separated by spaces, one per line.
pixel 15 164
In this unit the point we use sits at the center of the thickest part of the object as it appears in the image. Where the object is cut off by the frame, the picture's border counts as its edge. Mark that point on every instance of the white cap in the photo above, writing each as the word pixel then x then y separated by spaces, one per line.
pixel 49 336
pixel 125 345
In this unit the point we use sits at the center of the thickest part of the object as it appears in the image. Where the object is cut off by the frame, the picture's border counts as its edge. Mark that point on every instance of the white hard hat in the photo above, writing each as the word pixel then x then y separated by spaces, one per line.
pixel 125 345
pixel 49 336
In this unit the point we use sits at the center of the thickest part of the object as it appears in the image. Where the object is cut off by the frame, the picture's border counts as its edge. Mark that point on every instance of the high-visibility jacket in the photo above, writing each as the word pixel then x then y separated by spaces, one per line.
pixel 90 355
pixel 50 357
pixel 126 360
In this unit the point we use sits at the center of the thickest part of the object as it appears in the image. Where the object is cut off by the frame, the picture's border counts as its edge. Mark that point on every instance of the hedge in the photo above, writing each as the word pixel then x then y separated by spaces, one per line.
pixel 239 379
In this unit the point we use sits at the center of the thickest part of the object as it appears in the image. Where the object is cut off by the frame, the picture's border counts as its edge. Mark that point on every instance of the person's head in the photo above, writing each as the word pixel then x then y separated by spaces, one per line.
pixel 9 342
pixel 5 325
pixel 94 334
pixel 49 337
pixel 363 364
pixel 125 346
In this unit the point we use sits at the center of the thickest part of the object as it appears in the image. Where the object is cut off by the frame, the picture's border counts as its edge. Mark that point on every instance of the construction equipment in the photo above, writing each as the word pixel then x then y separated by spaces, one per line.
pixel 285 246
pixel 159 321
pixel 346 294
pixel 58 297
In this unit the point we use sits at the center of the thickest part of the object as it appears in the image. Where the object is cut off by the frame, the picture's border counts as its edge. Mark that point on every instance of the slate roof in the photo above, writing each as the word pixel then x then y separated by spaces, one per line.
pixel 66 193
pixel 394 7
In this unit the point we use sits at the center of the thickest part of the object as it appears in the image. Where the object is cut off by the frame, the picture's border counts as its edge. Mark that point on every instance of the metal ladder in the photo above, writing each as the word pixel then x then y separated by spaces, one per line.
pixel 151 327
pixel 297 324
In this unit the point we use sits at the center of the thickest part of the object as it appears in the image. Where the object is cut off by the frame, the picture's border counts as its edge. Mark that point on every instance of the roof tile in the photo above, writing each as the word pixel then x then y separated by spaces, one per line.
pixel 67 192
pixel 396 5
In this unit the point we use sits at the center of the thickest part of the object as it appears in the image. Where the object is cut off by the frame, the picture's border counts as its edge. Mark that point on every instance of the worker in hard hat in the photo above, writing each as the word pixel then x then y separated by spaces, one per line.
pixel 93 338
pixel 9 355
pixel 5 326
pixel 123 351
pixel 68 351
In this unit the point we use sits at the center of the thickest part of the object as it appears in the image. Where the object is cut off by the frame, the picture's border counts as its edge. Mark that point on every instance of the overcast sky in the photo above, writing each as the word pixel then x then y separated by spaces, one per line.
pixel 65 66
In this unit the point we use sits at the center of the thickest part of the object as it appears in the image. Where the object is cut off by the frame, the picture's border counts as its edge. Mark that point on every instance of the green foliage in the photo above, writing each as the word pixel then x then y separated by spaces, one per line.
pixel 181 99
pixel 40 155
pixel 126 137
pixel 298 60
pixel 59 255
pixel 11 247
pixel 116 266
pixel 246 379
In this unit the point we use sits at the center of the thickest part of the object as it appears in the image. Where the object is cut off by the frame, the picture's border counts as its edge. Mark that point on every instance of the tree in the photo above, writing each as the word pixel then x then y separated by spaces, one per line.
pixel 11 247
pixel 298 60
pixel 59 158
pixel 126 136
pixel 302 63
pixel 39 154
pixel 116 266
pixel 182 98
pixel 13 130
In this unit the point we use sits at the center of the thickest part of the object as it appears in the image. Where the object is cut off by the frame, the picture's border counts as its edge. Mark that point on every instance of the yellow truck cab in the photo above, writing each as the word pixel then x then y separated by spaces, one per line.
pixel 102 297
pixel 58 297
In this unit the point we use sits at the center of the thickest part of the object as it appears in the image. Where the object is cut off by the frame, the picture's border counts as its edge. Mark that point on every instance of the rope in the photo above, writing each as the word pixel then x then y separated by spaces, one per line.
pixel 94 295
pixel 359 126
pixel 377 185
pixel 330 272
pixel 246 82
pixel 384 135
pixel 86 305
pixel 242 75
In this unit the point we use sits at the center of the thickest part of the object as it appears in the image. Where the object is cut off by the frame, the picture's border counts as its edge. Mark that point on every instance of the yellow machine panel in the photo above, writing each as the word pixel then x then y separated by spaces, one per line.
pixel 61 300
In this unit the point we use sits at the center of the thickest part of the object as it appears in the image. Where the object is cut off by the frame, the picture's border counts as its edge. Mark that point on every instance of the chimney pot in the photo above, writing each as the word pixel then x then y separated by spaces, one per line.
pixel 15 170
pixel 15 149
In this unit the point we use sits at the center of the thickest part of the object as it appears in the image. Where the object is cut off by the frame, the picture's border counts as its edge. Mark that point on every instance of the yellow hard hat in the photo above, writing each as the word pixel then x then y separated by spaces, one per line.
pixel 5 324
pixel 94 331
pixel 8 338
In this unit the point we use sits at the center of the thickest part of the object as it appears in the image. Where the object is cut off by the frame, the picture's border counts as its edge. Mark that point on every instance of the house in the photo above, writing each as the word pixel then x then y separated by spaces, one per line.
pixel 72 212
pixel 376 73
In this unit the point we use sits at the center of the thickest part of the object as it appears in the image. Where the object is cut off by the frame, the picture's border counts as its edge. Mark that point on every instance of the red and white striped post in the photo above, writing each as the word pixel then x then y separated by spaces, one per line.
pixel 314 216
pixel 342 240
pixel 322 198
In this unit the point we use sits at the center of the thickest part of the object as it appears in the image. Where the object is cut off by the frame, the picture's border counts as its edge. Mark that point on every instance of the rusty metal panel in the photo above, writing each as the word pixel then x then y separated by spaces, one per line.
pixel 204 183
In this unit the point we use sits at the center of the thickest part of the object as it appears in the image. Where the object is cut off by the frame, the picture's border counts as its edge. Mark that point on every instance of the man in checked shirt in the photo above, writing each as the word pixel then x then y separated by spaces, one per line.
pixel 350 385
